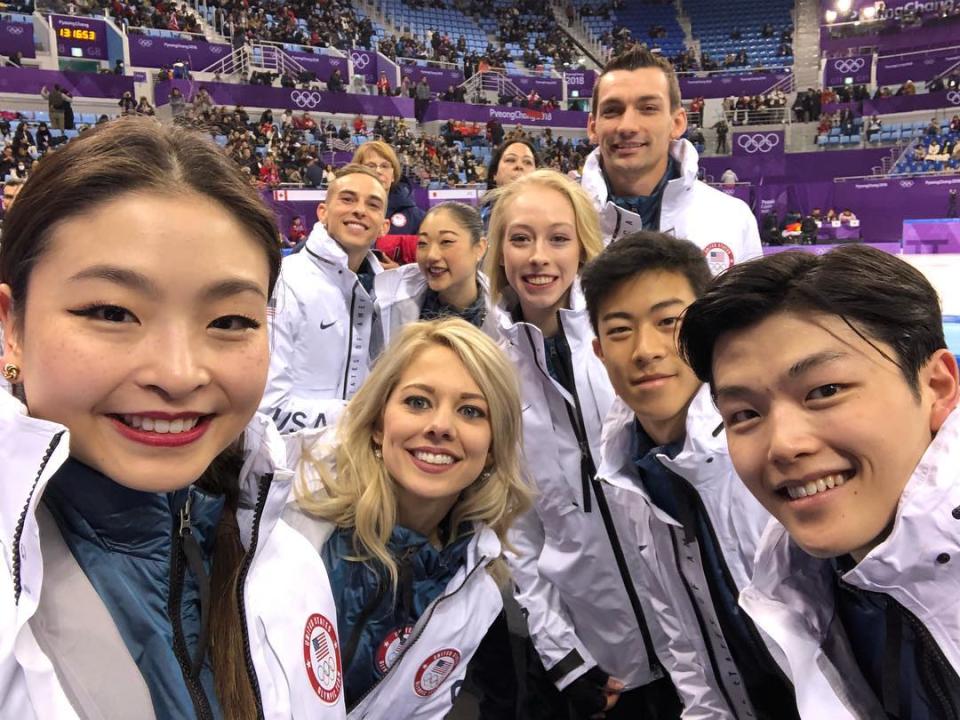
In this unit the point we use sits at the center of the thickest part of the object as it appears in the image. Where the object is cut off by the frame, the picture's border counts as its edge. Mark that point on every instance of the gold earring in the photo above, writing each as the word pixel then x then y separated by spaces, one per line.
pixel 11 372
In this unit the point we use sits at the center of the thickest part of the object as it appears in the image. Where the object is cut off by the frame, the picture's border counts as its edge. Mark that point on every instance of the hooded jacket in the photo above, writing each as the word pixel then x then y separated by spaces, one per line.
pixel 723 226
pixel 400 294
pixel 402 212
pixel 695 654
pixel 61 656
pixel 325 333
pixel 571 569
pixel 793 599
pixel 424 671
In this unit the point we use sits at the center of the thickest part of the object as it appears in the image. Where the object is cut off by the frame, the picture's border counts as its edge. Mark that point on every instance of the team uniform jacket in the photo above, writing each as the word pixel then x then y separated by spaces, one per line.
pixel 705 677
pixel 400 293
pixel 325 332
pixel 723 226
pixel 61 656
pixel 792 597
pixel 570 566
pixel 426 675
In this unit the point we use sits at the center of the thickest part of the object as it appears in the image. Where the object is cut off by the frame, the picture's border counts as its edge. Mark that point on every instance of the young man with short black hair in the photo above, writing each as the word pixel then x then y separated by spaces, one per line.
pixel 643 175
pixel 839 398
pixel 695 523
pixel 326 327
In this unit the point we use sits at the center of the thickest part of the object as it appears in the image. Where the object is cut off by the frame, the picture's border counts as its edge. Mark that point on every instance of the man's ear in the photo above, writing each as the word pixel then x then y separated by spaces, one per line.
pixel 597 348
pixel 385 227
pixel 322 213
pixel 939 379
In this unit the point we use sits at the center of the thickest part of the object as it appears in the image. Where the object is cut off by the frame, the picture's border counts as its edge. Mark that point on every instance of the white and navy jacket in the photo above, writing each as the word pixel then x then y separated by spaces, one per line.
pixel 424 679
pixel 61 656
pixel 792 596
pixel 571 569
pixel 400 293
pixel 673 572
pixel 325 333
pixel 723 226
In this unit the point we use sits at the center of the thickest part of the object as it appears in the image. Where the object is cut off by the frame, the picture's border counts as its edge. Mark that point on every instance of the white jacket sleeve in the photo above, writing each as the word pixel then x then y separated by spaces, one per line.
pixel 550 626
pixel 291 407
pixel 752 247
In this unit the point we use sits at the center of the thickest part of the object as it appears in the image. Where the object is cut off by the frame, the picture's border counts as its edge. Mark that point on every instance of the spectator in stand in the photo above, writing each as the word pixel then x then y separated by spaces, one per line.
pixel 874 126
pixel 933 129
pixel 955 124
pixel 722 130
pixel 11 188
pixel 178 103
pixel 908 88
pixel 313 175
pixel 127 104
pixel 421 100
pixel 695 136
pixel 729 177
pixel 383 84
pixel 56 105
pixel 44 139
pixel 335 84
pixel 144 107
pixel 510 161
pixel 919 152
pixel 402 211
pixel 297 231
pixel 269 174
pixel 847 216
pixel 359 125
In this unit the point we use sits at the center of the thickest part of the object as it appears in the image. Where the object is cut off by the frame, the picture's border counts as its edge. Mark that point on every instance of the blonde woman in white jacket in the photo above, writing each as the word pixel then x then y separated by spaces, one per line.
pixel 146 573
pixel 575 576
pixel 839 399
pixel 407 501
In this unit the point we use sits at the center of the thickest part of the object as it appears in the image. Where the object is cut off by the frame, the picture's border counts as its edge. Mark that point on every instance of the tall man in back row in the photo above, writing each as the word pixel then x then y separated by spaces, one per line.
pixel 643 176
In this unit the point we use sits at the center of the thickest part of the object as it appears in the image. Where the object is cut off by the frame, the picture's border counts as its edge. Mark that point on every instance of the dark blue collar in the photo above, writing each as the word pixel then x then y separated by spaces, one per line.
pixel 125 520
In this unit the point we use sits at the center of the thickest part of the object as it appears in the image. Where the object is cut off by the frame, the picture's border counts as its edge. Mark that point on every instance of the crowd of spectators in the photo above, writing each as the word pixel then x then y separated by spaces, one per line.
pixel 157 15
pixel 747 109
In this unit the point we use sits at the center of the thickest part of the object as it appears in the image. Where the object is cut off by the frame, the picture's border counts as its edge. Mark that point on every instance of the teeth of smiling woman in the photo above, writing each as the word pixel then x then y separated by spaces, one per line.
pixel 539 280
pixel 433 458
pixel 161 427
pixel 827 482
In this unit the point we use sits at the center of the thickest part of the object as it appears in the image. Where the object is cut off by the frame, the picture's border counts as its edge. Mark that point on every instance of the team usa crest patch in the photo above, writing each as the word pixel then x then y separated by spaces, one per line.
pixel 321 657
pixel 398 220
pixel 389 650
pixel 434 670
pixel 719 257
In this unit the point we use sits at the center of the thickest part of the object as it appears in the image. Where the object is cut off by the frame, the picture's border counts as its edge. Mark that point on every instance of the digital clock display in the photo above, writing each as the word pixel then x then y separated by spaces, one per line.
pixel 78 34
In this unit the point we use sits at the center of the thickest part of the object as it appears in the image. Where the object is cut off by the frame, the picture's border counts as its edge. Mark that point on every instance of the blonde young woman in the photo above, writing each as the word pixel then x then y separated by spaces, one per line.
pixel 572 571
pixel 407 506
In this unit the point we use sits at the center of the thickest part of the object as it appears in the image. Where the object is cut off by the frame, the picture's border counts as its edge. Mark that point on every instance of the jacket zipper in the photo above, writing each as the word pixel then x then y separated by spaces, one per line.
pixel 18 532
pixel 346 372
pixel 174 607
pixel 933 684
pixel 732 586
pixel 418 631
pixel 262 493
pixel 588 471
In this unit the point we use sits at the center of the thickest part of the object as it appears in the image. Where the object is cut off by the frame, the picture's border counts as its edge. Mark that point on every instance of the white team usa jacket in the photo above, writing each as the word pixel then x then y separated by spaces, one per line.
pixel 579 612
pixel 738 521
pixel 92 674
pixel 918 565
pixel 324 334
pixel 426 671
pixel 723 226
pixel 400 293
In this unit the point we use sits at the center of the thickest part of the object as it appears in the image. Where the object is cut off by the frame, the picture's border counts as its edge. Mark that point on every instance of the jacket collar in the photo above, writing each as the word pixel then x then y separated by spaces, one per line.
pixel 595 184
pixel 323 249
pixel 704 437
pixel 509 327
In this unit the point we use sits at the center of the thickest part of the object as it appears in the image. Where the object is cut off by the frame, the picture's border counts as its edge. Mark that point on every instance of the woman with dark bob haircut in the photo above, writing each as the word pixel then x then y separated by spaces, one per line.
pixel 135 274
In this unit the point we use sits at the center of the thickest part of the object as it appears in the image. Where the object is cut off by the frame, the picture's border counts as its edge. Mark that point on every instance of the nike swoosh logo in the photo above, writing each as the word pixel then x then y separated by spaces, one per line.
pixel 324 326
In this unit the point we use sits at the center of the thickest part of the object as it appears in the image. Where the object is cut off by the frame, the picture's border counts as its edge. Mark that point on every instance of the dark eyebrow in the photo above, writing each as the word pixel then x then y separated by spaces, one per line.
pixel 625 315
pixel 120 276
pixel 812 361
pixel 735 392
pixel 234 286
pixel 141 283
